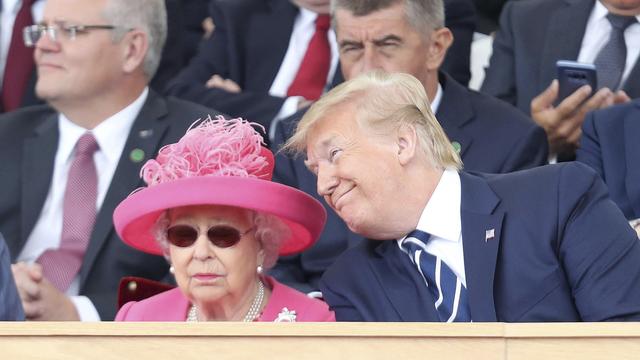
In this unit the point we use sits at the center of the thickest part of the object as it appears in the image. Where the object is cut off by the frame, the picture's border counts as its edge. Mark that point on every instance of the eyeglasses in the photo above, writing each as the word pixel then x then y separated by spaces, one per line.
pixel 222 236
pixel 32 33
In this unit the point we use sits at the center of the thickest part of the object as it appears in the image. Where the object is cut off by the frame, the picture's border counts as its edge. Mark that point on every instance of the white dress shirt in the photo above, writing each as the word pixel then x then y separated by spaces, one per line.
pixel 303 29
pixel 10 9
pixel 111 136
pixel 441 219
pixel 597 34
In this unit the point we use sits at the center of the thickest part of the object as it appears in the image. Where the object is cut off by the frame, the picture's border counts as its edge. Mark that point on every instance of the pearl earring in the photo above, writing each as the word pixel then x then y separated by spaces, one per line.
pixel 259 269
pixel 172 269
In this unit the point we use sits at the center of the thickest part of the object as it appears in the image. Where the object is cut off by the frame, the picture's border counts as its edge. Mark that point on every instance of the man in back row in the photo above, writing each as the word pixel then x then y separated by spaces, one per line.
pixel 534 34
pixel 409 36
pixel 544 244
pixel 67 165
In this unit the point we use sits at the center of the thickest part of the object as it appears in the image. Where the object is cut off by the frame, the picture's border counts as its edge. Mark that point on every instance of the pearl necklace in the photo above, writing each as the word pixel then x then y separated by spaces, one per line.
pixel 253 312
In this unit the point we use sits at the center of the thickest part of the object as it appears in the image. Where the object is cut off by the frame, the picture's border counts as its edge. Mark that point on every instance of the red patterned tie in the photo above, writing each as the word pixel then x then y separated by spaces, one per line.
pixel 20 62
pixel 78 217
pixel 314 69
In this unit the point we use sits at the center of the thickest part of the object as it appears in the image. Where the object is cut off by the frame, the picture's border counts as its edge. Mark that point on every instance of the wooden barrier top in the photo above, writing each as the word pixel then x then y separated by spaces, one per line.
pixel 233 340
pixel 345 329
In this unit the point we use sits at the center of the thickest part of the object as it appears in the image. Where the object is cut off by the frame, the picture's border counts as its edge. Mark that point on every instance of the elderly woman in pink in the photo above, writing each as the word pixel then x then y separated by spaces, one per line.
pixel 211 209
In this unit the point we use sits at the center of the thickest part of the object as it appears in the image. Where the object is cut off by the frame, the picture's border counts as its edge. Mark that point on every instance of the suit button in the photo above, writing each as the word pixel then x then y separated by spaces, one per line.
pixel 132 286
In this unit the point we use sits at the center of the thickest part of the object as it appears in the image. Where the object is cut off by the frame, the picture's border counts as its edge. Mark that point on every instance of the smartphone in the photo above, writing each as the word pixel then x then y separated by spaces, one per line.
pixel 572 75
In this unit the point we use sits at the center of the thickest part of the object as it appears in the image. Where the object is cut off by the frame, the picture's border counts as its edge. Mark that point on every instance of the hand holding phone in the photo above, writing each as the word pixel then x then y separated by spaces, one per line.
pixel 572 75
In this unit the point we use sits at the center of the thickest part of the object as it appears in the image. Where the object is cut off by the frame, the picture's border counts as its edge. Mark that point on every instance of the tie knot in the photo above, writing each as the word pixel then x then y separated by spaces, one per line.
pixel 86 145
pixel 415 240
pixel 322 22
pixel 621 22
pixel 27 3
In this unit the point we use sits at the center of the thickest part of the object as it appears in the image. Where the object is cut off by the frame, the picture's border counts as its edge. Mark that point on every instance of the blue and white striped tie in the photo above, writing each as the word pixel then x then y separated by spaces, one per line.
pixel 449 293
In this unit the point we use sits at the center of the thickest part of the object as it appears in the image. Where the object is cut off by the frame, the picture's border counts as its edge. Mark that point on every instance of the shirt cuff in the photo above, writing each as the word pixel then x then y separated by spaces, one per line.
pixel 85 308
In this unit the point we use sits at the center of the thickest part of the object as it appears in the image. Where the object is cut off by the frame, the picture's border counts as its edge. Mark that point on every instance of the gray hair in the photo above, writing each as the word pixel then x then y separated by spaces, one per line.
pixel 150 16
pixel 423 15
pixel 384 101
pixel 270 231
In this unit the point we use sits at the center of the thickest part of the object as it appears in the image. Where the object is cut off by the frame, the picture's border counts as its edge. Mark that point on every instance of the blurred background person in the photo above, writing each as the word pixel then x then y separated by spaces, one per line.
pixel 212 211
pixel 534 34
pixel 17 69
pixel 70 162
pixel 267 59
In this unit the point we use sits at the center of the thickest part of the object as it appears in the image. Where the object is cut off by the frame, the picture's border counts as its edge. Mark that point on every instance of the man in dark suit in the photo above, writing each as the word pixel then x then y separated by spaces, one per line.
pixel 490 135
pixel 610 146
pixel 544 244
pixel 10 306
pixel 96 85
pixel 533 35
pixel 242 69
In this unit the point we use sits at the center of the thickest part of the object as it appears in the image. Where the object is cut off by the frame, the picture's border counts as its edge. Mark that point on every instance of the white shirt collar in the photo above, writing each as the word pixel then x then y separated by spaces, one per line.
pixel 307 16
pixel 437 99
pixel 441 215
pixel 108 134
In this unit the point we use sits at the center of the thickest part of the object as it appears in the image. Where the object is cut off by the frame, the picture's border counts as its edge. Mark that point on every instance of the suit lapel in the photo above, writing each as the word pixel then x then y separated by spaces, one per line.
pixel 632 157
pixel 481 230
pixel 401 283
pixel 563 37
pixel 269 33
pixel 454 112
pixel 37 171
pixel 146 134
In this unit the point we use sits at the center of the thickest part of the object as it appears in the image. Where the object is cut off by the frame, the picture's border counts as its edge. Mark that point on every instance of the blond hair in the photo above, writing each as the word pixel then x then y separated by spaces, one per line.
pixel 384 102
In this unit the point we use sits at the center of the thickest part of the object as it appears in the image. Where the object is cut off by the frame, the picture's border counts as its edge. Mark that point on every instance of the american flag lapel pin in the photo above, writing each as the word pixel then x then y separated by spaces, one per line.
pixel 489 234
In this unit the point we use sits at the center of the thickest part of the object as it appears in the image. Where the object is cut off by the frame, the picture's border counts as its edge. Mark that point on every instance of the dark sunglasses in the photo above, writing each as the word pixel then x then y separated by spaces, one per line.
pixel 222 236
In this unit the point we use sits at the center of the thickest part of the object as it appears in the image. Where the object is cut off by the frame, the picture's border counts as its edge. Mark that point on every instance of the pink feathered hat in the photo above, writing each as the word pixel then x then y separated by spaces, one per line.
pixel 218 162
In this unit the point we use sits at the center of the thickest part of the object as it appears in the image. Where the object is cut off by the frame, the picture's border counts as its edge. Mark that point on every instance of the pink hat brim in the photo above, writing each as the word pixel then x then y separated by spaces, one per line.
pixel 136 215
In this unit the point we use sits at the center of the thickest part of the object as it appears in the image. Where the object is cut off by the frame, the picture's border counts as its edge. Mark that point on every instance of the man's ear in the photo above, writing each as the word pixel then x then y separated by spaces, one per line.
pixel 136 45
pixel 441 40
pixel 407 143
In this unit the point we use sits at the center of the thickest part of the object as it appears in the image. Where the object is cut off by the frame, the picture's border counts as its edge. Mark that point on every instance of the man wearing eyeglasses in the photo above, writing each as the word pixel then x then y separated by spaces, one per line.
pixel 68 164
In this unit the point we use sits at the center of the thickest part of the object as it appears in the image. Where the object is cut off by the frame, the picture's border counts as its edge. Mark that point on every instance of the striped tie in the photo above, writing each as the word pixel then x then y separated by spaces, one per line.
pixel 448 291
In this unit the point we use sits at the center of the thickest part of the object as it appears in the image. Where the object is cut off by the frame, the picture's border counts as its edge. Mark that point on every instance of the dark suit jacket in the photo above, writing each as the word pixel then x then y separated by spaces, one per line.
pixel 562 251
pixel 494 137
pixel 610 144
pixel 250 41
pixel 10 305
pixel 247 46
pixel 28 145
pixel 533 35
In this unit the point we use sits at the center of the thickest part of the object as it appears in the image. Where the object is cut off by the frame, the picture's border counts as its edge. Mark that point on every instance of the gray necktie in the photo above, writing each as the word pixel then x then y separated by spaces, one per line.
pixel 612 57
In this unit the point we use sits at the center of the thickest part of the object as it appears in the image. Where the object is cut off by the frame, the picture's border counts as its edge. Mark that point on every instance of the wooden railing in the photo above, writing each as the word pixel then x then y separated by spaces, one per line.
pixel 327 341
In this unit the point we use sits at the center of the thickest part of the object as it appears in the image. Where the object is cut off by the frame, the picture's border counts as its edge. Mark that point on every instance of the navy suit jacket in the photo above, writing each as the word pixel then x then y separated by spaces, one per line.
pixel 562 251
pixel 494 136
pixel 28 145
pixel 250 41
pixel 10 305
pixel 610 144
pixel 533 35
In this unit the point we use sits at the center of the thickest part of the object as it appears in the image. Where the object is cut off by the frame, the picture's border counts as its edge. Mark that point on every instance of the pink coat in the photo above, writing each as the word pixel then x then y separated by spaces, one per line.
pixel 172 305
